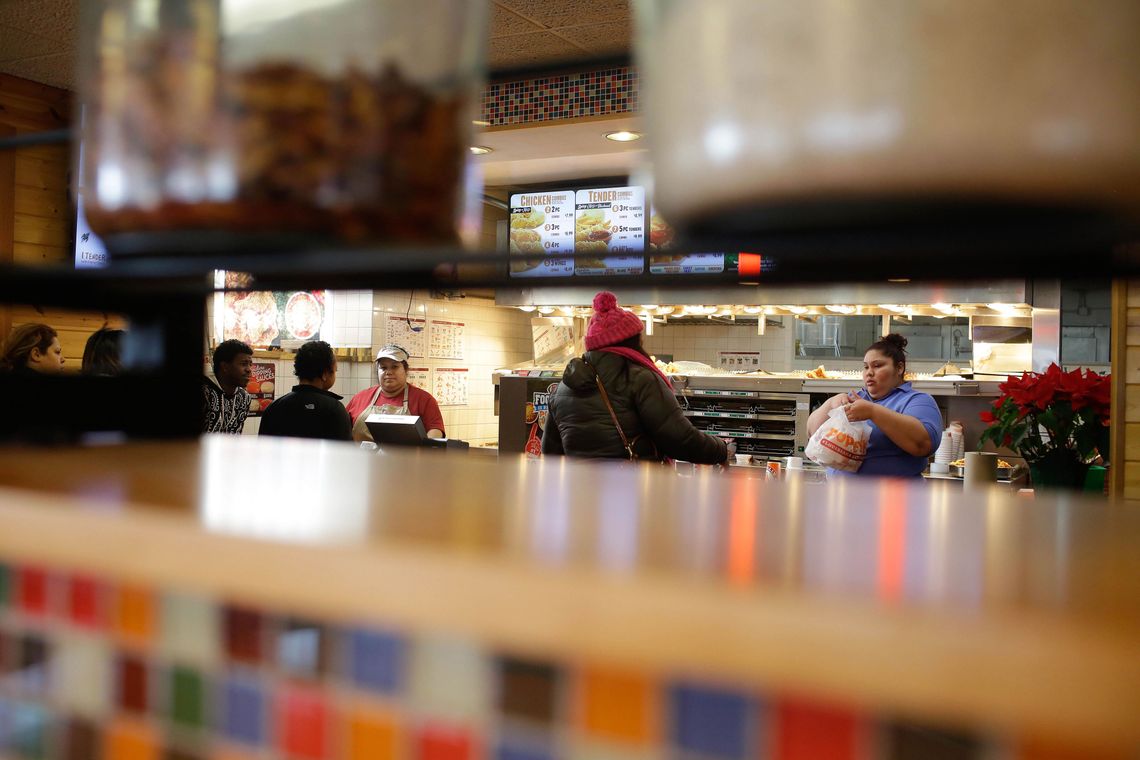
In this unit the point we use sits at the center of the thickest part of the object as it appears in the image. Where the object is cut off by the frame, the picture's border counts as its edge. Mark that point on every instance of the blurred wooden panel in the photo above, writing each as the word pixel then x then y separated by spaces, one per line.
pixel 35 201
pixel 18 90
pixel 1132 403
pixel 39 231
pixel 46 174
pixel 31 254
pixel 1132 443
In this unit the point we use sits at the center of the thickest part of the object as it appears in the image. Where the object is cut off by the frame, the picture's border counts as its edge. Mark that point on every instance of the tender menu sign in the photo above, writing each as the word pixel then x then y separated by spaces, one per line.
pixel 609 221
pixel 542 223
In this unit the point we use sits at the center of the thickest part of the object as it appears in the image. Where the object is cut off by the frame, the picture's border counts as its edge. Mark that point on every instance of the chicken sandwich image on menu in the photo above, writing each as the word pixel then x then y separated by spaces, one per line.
pixel 592 232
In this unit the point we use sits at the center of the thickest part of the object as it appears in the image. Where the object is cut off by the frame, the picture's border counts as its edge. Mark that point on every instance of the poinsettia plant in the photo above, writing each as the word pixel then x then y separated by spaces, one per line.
pixel 1041 412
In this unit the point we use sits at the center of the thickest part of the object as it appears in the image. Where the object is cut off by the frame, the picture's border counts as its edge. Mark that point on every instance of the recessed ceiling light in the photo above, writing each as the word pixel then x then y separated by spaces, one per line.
pixel 623 135
pixel 898 279
pixel 480 150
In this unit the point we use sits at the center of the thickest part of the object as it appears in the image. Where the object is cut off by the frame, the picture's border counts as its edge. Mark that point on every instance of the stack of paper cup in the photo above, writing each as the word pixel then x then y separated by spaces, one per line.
pixel 957 435
pixel 945 454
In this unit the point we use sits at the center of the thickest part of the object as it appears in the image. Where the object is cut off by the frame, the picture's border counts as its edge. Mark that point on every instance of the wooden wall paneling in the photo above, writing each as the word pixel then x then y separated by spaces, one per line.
pixel 1125 480
pixel 7 218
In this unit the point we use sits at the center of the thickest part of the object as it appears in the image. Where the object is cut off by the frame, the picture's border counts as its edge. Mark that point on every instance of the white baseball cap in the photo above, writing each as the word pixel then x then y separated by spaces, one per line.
pixel 392 351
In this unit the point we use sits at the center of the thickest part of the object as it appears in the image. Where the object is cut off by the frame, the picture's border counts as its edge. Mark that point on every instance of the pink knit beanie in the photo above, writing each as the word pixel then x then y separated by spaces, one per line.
pixel 610 324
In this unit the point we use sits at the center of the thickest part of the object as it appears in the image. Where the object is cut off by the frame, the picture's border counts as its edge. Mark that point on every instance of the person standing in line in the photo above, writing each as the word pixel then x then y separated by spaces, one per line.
pixel 225 403
pixel 614 403
pixel 310 410
pixel 32 349
pixel 101 355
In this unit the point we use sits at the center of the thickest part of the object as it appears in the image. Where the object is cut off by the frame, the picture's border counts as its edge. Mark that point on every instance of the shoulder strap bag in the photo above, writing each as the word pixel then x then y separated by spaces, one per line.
pixel 625 442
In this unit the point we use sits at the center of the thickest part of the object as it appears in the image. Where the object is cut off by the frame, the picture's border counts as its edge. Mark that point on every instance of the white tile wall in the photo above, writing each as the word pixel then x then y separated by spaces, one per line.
pixel 348 318
pixel 703 343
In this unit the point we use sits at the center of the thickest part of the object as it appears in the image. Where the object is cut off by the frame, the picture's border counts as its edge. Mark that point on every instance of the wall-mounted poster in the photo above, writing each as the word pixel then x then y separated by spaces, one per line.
pixel 542 223
pixel 265 319
pixel 445 339
pixel 261 387
pixel 450 388
pixel 408 334
pixel 420 377
pixel 607 222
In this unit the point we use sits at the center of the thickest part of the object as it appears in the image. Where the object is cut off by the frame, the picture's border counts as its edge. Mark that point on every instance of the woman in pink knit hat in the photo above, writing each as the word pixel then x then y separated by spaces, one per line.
pixel 614 403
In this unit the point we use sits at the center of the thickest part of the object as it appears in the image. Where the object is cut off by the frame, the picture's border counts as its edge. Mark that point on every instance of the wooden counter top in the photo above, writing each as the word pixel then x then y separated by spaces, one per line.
pixel 906 597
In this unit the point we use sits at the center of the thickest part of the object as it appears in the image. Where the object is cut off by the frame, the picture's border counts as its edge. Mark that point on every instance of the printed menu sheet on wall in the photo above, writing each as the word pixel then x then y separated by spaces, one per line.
pixel 609 221
pixel 445 339
pixel 420 377
pixel 403 333
pixel 542 223
pixel 450 388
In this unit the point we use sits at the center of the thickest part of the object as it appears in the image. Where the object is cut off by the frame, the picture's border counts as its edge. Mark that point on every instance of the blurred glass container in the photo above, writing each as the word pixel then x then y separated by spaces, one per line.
pixel 760 109
pixel 345 120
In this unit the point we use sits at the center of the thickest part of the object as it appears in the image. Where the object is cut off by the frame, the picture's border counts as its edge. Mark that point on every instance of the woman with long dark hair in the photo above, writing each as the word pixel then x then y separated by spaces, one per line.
pixel 614 403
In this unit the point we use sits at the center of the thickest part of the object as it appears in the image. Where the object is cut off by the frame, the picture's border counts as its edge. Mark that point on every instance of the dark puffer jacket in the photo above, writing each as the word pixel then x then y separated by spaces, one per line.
pixel 579 424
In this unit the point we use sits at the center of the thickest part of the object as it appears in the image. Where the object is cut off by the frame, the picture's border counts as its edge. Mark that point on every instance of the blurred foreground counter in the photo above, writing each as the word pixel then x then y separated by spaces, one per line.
pixel 246 598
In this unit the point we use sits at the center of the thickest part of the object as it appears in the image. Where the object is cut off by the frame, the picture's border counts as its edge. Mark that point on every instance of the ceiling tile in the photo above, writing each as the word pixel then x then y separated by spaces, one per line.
pixel 609 37
pixel 529 49
pixel 55 70
pixel 54 19
pixel 569 12
pixel 504 22
pixel 19 43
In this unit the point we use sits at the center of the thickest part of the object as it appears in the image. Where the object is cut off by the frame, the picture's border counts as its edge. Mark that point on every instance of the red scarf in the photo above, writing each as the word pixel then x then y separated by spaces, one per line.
pixel 640 358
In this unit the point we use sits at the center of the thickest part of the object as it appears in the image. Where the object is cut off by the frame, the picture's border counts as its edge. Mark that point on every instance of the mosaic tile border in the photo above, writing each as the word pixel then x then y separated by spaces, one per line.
pixel 565 96
pixel 91 669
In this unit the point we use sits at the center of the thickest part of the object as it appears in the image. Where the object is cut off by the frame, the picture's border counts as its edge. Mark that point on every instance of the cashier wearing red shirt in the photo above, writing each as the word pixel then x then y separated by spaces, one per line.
pixel 394 395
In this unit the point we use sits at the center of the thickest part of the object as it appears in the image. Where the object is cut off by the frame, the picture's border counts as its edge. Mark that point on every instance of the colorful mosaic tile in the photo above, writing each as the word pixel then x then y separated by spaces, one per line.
pixel 713 723
pixel 805 731
pixel 371 734
pixel 86 602
pixel 568 96
pixel 244 634
pixel 376 660
pixel 5 585
pixel 135 614
pixel 80 740
pixel 617 705
pixel 303 719
pixel 103 671
pixel 187 697
pixel 84 675
pixel 32 591
pixel 244 710
pixel 445 743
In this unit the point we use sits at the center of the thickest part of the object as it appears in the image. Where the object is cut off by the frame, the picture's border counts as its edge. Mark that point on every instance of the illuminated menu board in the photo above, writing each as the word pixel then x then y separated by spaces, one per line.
pixel 609 221
pixel 542 223
pixel 664 259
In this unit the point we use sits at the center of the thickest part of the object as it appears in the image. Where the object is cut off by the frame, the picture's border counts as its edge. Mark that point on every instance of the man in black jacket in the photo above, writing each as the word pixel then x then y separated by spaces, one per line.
pixel 310 410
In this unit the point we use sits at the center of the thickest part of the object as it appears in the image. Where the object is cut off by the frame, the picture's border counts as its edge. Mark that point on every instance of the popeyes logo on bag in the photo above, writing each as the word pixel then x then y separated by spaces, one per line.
pixel 845 445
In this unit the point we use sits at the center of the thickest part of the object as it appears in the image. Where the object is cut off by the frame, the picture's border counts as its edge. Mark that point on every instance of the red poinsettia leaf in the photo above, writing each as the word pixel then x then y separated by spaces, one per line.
pixel 987 417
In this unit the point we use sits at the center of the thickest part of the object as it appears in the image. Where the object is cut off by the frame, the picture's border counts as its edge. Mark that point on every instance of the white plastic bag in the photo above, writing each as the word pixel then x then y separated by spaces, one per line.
pixel 839 443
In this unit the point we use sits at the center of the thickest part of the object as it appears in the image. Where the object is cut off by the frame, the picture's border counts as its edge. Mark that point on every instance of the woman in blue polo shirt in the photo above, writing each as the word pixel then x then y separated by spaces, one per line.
pixel 905 424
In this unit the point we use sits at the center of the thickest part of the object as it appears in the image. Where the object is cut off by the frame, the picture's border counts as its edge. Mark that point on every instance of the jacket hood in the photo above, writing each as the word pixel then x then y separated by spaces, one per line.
pixel 577 376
